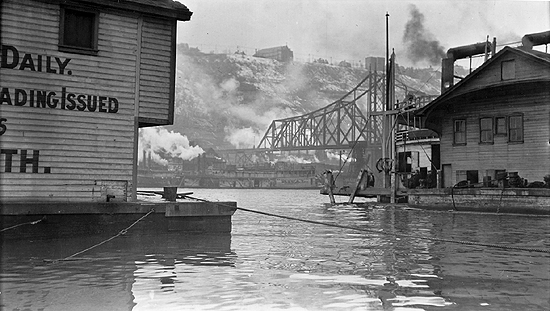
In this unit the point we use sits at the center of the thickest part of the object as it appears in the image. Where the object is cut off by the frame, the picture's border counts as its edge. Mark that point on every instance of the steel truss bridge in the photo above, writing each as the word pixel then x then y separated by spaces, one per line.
pixel 357 118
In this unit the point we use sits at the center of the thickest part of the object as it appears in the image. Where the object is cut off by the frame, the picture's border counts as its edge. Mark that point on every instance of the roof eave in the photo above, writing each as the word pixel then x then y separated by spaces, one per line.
pixel 177 11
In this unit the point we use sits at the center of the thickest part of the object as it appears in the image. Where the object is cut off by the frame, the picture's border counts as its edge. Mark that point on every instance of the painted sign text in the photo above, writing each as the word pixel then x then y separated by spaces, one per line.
pixel 12 59
pixel 25 160
pixel 3 127
pixel 58 100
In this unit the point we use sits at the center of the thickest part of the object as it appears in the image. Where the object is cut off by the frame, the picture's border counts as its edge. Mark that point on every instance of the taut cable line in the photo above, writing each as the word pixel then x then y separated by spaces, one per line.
pixel 401 235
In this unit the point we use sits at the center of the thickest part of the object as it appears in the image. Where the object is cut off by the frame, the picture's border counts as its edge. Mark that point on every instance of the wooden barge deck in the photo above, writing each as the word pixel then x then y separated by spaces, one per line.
pixel 86 217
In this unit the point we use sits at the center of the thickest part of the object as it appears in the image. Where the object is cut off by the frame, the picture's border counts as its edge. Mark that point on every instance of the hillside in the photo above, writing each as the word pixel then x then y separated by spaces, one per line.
pixel 227 101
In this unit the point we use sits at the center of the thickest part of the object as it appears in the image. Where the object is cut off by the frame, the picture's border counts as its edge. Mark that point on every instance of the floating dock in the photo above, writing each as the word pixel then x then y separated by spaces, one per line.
pixel 93 217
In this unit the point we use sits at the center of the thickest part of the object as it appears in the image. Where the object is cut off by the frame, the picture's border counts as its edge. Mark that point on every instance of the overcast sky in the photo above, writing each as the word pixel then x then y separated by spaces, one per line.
pixel 354 29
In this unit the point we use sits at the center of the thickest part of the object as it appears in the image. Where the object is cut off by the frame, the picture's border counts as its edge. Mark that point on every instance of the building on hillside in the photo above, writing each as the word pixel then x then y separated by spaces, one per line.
pixel 78 79
pixel 373 63
pixel 280 53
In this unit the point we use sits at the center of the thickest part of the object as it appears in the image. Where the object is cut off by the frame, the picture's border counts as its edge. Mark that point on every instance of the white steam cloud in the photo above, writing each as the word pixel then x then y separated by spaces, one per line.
pixel 244 111
pixel 159 143
pixel 243 138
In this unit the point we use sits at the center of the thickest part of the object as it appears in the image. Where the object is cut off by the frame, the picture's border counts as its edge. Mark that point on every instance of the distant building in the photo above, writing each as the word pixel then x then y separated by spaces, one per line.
pixel 375 63
pixel 280 53
pixel 78 79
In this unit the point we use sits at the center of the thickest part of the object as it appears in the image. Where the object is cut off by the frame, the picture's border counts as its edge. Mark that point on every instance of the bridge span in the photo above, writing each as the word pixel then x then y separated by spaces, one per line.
pixel 353 121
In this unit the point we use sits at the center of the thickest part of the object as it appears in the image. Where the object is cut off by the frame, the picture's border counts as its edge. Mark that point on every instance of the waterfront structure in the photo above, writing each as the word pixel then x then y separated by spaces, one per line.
pixel 280 175
pixel 496 119
pixel 78 80
pixel 494 129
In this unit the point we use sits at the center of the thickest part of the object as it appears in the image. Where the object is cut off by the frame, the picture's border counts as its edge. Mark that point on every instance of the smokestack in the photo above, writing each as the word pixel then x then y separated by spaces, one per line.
pixel 447 64
pixel 530 40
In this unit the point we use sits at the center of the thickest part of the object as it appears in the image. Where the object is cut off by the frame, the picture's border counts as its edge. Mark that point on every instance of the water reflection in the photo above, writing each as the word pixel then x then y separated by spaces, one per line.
pixel 276 264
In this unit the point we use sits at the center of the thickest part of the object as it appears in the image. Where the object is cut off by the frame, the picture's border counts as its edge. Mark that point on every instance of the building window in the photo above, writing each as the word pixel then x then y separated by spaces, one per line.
pixel 515 128
pixel 78 31
pixel 404 162
pixel 508 70
pixel 500 126
pixel 459 132
pixel 486 130
pixel 471 177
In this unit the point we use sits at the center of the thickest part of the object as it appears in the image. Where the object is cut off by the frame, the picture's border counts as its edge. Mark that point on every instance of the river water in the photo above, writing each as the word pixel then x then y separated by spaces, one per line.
pixel 269 263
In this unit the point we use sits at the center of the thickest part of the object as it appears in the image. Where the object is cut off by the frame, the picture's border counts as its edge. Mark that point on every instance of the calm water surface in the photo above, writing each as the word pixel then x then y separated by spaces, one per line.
pixel 269 263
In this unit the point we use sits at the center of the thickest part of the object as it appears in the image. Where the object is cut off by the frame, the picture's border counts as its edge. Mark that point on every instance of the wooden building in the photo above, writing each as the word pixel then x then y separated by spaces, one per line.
pixel 78 79
pixel 495 120
pixel 280 53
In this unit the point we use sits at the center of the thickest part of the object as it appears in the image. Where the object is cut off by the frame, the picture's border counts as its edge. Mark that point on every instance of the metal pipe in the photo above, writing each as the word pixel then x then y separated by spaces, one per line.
pixel 468 50
pixel 533 39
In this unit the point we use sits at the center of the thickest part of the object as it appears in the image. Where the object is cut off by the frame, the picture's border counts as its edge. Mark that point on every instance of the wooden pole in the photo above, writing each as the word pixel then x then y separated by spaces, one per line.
pixel 360 179
pixel 329 183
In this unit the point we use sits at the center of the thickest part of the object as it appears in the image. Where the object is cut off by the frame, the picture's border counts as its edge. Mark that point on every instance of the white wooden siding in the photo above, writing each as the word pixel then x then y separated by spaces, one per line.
pixel 87 152
pixel 155 77
pixel 531 159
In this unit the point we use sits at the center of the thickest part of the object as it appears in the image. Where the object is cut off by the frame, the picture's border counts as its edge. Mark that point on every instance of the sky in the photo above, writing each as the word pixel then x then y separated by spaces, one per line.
pixel 335 30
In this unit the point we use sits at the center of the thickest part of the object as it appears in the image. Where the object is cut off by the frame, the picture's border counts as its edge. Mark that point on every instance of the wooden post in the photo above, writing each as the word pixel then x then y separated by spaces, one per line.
pixel 329 183
pixel 133 194
pixel 360 179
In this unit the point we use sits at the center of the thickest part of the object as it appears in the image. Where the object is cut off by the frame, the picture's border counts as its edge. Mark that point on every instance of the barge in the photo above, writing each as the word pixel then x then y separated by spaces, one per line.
pixel 491 200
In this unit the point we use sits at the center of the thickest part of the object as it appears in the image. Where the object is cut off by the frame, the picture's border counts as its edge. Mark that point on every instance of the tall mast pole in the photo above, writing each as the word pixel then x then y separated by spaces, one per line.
pixel 392 125
pixel 386 106
pixel 387 59
pixel 388 150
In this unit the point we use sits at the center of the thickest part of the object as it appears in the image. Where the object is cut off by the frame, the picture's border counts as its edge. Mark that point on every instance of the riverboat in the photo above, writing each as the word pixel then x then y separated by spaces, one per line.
pixel 298 177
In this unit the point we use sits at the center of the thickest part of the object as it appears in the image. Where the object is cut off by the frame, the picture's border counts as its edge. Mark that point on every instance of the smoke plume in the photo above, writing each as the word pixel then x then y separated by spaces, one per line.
pixel 238 108
pixel 159 143
pixel 243 138
pixel 420 43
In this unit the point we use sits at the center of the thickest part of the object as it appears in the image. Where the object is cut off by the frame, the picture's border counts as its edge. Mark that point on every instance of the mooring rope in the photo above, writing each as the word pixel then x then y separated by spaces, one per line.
pixel 122 232
pixel 401 235
pixel 26 223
